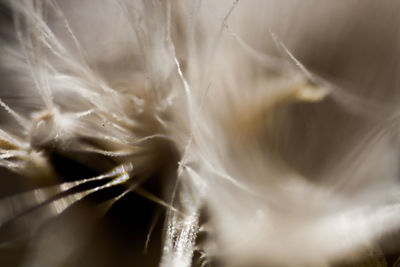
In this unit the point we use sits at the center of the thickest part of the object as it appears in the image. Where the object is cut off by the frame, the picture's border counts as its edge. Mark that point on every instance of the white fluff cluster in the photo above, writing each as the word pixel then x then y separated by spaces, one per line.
pixel 290 168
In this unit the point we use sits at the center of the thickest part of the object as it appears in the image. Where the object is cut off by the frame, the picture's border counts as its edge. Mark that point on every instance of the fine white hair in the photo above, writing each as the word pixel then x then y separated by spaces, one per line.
pixel 273 123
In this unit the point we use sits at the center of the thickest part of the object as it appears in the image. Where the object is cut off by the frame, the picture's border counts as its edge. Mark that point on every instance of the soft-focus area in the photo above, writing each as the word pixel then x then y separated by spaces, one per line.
pixel 199 133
